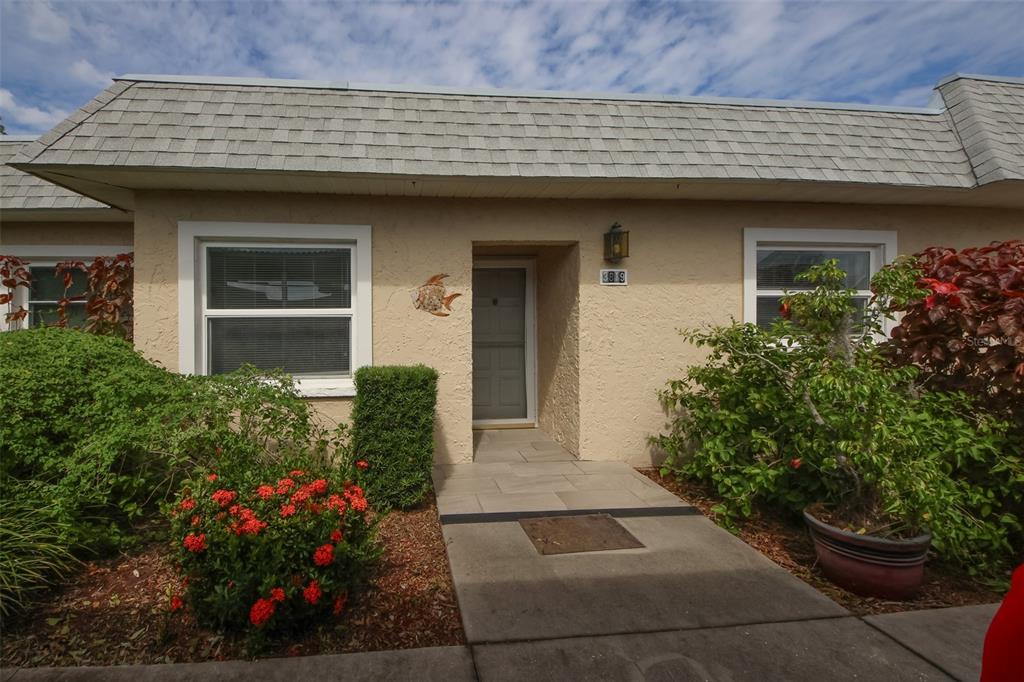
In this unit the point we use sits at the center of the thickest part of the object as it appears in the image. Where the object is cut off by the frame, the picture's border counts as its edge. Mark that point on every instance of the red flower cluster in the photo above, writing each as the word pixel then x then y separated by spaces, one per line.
pixel 312 593
pixel 246 522
pixel 336 536
pixel 297 473
pixel 795 463
pixel 335 501
pixel 196 520
pixel 324 555
pixel 277 594
pixel 284 485
pixel 287 510
pixel 265 492
pixel 213 477
pixel 261 611
pixel 188 504
pixel 195 543
pixel 362 464
pixel 224 497
pixel 176 603
pixel 356 500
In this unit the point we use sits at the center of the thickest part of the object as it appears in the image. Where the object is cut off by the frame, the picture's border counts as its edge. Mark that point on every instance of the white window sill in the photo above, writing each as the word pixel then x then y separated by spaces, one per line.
pixel 326 388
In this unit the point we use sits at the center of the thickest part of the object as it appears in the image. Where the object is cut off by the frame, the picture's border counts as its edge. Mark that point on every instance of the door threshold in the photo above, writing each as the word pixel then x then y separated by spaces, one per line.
pixel 495 425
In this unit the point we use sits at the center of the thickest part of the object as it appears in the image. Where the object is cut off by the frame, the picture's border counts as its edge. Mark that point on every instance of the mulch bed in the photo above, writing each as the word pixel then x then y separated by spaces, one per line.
pixel 116 611
pixel 785 541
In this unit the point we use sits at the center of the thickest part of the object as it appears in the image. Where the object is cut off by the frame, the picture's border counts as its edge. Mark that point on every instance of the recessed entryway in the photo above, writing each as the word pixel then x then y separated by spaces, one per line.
pixel 504 343
pixel 517 445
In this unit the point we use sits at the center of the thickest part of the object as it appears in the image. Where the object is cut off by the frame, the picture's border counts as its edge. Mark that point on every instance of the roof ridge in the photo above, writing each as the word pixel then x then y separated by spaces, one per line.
pixel 979 141
pixel 521 93
pixel 1014 80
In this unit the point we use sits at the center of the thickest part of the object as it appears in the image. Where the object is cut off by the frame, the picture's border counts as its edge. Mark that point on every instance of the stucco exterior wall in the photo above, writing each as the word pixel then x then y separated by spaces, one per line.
pixel 66 234
pixel 685 270
pixel 558 344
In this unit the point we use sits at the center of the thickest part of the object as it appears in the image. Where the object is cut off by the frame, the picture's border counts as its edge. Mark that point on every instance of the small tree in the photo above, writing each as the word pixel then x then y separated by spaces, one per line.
pixel 108 297
pixel 14 273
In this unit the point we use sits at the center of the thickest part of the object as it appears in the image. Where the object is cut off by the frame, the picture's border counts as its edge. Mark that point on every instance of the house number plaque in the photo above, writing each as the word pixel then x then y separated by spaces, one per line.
pixel 614 278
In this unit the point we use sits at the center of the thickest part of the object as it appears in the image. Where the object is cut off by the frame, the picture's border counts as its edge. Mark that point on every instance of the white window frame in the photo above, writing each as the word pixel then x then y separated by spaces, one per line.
pixel 48 257
pixel 882 245
pixel 194 238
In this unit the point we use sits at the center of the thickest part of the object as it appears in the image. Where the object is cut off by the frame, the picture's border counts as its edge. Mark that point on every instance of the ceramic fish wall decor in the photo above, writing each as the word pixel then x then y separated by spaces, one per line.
pixel 432 297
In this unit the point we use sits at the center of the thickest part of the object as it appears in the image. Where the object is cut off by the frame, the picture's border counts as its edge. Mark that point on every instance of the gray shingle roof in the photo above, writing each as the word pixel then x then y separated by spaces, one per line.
pixel 989 116
pixel 176 124
pixel 19 190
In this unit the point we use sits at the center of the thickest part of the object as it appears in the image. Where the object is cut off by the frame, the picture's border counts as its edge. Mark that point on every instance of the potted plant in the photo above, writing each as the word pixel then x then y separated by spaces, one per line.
pixel 868 537
pixel 809 416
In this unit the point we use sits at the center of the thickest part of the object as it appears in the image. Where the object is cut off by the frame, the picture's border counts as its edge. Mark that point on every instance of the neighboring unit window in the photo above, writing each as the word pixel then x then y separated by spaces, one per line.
pixel 46 291
pixel 276 307
pixel 773 258
pixel 778 266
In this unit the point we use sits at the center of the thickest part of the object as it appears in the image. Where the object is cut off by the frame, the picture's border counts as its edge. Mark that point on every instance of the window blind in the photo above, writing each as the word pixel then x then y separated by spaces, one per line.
pixel 278 278
pixel 303 346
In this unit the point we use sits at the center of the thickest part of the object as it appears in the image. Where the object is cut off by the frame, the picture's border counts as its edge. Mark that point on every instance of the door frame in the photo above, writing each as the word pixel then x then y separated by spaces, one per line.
pixel 530 366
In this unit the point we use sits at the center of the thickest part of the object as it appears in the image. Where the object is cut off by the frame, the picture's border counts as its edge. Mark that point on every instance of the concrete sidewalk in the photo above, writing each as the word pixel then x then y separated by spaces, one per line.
pixel 813 650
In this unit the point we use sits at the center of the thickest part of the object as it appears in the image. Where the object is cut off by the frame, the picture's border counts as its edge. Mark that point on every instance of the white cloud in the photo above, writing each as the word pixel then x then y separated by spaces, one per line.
pixel 84 71
pixel 882 52
pixel 45 24
pixel 19 116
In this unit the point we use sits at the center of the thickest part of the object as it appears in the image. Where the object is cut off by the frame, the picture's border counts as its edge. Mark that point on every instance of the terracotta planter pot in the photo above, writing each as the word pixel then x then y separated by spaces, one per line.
pixel 869 566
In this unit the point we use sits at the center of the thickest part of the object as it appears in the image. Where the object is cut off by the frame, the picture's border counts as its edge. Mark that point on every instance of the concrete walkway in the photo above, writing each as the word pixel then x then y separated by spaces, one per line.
pixel 694 603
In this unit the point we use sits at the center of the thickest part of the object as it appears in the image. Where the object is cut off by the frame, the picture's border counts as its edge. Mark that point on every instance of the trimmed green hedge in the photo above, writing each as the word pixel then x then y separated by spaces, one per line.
pixel 393 430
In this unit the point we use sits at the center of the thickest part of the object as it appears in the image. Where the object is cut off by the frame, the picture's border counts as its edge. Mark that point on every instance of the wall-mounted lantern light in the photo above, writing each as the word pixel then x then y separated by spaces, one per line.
pixel 616 243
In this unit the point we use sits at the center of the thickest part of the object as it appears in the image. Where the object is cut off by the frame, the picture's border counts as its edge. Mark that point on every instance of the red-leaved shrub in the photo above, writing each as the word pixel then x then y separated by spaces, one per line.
pixel 966 326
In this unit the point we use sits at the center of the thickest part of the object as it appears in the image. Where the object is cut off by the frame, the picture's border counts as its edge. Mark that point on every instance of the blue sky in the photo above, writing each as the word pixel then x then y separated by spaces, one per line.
pixel 54 56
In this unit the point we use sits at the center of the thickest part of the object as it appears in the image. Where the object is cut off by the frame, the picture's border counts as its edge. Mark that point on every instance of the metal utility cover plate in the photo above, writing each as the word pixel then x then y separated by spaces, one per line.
pixel 570 534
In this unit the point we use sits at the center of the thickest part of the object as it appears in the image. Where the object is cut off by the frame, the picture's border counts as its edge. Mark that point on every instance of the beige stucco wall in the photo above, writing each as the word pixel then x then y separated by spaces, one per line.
pixel 66 234
pixel 558 343
pixel 685 269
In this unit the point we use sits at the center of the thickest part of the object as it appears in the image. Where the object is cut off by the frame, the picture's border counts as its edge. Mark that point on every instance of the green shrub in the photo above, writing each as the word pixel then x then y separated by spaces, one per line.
pixel 393 430
pixel 75 429
pixel 32 555
pixel 267 549
pixel 795 416
pixel 101 434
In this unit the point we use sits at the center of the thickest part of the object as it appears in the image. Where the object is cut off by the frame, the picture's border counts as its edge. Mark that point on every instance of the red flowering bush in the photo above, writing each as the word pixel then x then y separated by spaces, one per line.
pixel 270 550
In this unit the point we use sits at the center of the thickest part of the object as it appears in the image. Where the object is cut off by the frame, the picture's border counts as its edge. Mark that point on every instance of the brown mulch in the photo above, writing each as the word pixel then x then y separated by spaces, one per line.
pixel 116 611
pixel 785 541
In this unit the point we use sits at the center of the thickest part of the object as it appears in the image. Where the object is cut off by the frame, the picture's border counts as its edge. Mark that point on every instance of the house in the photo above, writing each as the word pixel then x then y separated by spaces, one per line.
pixel 308 225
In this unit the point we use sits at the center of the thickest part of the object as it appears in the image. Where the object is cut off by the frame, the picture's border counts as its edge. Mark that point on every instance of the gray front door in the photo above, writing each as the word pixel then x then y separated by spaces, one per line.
pixel 499 343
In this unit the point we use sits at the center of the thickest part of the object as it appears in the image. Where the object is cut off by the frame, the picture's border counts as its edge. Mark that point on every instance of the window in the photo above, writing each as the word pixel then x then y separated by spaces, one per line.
pixel 46 289
pixel 773 259
pixel 301 305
